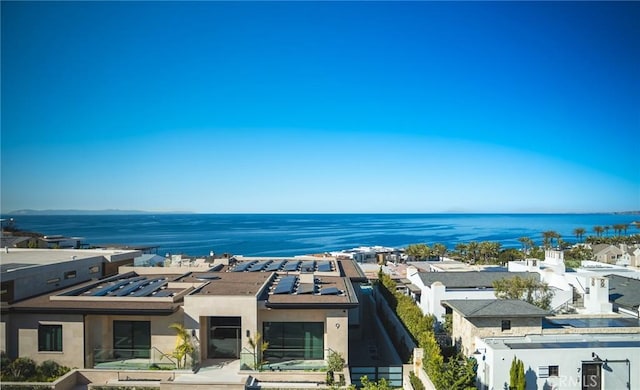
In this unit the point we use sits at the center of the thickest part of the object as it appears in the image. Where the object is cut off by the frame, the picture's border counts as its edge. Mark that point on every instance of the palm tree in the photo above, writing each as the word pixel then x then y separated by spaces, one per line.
pixel 472 251
pixel 439 249
pixel 606 229
pixel 184 347
pixel 579 232
pixel 258 347
pixel 624 227
pixel 598 230
pixel 524 241
pixel 548 237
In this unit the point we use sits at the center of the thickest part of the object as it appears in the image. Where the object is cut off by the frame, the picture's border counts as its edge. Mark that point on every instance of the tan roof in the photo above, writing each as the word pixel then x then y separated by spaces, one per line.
pixel 346 297
pixel 350 269
pixel 229 283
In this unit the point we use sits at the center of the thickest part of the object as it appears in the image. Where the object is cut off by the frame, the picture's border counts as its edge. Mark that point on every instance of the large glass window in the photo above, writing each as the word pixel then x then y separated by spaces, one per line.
pixel 131 339
pixel 50 338
pixel 294 340
pixel 225 337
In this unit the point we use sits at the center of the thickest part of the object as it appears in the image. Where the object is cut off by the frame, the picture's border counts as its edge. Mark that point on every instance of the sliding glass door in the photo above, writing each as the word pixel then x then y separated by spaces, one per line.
pixel 294 341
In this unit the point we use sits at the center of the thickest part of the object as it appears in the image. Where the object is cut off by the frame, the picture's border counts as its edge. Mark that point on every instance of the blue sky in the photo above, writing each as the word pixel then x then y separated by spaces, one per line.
pixel 321 106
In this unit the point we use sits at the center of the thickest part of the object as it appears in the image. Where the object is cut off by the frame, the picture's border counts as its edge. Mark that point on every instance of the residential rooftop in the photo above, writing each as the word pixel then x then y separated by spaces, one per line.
pixel 566 341
pixel 19 258
pixel 474 308
pixel 471 279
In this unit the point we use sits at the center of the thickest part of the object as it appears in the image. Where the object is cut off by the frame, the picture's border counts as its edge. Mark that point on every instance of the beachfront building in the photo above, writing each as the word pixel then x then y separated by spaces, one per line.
pixel 558 352
pixel 303 308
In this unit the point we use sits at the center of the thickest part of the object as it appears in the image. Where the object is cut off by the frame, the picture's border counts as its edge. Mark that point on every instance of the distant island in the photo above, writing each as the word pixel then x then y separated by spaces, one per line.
pixel 90 212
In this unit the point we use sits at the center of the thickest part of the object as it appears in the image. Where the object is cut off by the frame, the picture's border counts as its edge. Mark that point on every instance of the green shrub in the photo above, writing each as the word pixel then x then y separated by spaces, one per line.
pixel 22 369
pixel 416 383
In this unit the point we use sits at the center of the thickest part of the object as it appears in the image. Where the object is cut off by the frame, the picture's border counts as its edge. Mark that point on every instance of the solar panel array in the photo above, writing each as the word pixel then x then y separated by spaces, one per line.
pixel 286 285
pixel 243 266
pixel 330 291
pixel 324 266
pixel 134 286
pixel 284 265
pixel 308 266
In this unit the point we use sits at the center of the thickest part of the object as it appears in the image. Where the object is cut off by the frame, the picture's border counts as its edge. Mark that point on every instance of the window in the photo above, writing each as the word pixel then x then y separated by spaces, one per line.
pixel 70 275
pixel 131 339
pixel 52 281
pixel 94 269
pixel 50 338
pixel 553 371
pixel 294 340
pixel 506 325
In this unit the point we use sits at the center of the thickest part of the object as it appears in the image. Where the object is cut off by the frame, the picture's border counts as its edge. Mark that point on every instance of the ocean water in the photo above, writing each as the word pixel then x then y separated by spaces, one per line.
pixel 295 234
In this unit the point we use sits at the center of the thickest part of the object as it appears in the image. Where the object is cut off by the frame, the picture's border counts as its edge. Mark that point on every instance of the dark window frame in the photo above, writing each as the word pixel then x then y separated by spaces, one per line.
pixel 50 338
pixel 505 325
pixel 554 371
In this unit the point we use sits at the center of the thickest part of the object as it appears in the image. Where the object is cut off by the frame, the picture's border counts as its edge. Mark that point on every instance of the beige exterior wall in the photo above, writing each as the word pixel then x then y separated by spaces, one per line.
pixel 466 330
pixel 197 308
pixel 336 325
pixel 26 326
pixel 99 332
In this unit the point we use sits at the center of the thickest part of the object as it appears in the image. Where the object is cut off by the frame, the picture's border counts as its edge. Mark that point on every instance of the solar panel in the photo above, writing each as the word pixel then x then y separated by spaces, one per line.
pixel 243 266
pixel 291 266
pixel 275 266
pixel 150 288
pixel 163 293
pixel 107 289
pixel 308 266
pixel 306 288
pixel 330 291
pixel 286 285
pixel 324 266
pixel 258 266
pixel 126 290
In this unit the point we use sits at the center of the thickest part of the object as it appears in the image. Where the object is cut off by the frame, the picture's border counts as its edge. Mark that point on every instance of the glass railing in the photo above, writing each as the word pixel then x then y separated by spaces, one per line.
pixel 285 359
pixel 134 359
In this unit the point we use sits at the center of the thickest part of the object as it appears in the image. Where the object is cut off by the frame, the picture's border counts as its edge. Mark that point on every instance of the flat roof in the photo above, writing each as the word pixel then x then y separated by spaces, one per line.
pixel 325 291
pixel 566 341
pixel 590 322
pixel 227 283
pixel 18 258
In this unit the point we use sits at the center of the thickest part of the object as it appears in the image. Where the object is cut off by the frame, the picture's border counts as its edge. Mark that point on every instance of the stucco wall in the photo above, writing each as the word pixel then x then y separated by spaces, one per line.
pixel 99 332
pixel 197 308
pixel 26 326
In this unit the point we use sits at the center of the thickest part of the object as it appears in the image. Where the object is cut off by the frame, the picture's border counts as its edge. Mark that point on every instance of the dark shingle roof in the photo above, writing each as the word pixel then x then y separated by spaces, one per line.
pixel 473 308
pixel 624 291
pixel 471 279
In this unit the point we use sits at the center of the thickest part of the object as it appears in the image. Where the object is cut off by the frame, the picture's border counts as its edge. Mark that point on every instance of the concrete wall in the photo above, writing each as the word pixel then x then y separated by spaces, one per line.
pixel 24 328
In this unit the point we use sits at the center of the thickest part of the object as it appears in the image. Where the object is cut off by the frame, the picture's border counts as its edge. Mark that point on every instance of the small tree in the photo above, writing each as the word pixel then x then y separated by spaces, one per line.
pixel 527 289
pixel 184 347
pixel 516 375
pixel 258 346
